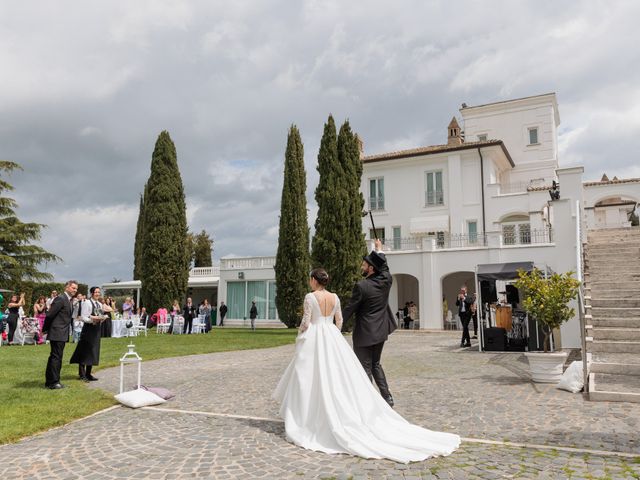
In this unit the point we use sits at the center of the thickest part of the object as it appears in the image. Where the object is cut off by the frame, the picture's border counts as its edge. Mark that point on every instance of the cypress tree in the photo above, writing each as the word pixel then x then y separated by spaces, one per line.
pixel 137 246
pixel 202 247
pixel 292 259
pixel 324 246
pixel 352 244
pixel 20 259
pixel 165 255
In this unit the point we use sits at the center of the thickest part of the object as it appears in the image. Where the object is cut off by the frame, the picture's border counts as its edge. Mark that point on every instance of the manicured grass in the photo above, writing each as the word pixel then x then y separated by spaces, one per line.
pixel 26 407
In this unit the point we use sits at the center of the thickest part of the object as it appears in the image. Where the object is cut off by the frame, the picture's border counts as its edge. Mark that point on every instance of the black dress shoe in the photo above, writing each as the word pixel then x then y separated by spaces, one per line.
pixel 55 386
pixel 83 379
pixel 467 345
pixel 389 400
pixel 91 378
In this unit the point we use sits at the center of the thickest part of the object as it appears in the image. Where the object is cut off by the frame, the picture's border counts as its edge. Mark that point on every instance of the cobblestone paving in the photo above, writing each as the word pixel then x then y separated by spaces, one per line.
pixel 481 396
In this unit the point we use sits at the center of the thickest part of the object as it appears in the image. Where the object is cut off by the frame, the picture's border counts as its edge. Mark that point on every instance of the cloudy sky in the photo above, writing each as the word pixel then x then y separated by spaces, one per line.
pixel 86 87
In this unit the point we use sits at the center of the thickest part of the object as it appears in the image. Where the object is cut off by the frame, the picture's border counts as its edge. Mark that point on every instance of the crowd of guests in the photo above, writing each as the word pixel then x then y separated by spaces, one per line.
pixel 25 323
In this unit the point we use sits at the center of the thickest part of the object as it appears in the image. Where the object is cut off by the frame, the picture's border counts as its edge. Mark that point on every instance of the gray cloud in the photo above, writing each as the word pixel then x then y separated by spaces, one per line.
pixel 87 87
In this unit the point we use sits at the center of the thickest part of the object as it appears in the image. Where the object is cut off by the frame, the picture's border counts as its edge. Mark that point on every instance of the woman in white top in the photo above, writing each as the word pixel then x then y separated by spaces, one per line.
pixel 328 402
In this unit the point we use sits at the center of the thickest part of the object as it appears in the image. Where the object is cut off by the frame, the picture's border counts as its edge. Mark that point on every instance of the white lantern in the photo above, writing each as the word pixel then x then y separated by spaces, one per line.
pixel 130 357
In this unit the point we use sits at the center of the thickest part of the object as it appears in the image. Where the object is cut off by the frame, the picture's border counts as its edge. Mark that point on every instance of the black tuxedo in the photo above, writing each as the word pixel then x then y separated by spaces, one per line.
pixel 373 324
pixel 223 312
pixel 189 313
pixel 56 326
pixel 465 317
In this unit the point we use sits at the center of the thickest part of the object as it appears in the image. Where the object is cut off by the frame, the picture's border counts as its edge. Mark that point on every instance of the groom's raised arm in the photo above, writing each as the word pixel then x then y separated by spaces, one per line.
pixel 352 305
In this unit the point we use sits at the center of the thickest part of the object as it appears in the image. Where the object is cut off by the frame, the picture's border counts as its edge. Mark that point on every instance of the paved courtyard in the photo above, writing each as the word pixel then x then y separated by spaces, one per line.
pixel 223 423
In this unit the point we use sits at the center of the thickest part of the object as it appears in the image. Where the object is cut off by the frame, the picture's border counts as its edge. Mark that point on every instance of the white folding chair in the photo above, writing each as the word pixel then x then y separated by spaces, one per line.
pixel 198 324
pixel 30 332
pixel 178 324
pixel 139 326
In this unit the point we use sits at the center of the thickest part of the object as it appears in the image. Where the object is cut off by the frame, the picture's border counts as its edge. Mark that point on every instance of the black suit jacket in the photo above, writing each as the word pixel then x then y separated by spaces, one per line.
pixel 468 301
pixel 58 319
pixel 370 304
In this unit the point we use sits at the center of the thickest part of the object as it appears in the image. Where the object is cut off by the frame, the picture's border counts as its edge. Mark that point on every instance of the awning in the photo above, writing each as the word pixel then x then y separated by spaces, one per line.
pixel 502 271
pixel 436 223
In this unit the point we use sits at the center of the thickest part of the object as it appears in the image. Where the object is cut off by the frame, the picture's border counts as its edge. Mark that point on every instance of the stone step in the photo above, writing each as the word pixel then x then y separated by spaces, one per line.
pixel 617 287
pixel 616 302
pixel 617 383
pixel 615 368
pixel 620 358
pixel 614 333
pixel 616 322
pixel 601 291
pixel 611 277
pixel 631 261
pixel 614 312
pixel 612 346
pixel 606 248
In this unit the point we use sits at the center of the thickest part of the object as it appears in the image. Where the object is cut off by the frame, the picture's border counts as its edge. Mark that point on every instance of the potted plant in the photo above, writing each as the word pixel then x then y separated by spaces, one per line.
pixel 547 300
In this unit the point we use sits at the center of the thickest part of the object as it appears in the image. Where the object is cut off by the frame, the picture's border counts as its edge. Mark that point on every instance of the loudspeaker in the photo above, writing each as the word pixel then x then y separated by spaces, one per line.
pixel 495 339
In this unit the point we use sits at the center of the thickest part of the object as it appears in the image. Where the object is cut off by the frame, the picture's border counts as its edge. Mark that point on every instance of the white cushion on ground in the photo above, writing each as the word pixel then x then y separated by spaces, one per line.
pixel 572 379
pixel 138 398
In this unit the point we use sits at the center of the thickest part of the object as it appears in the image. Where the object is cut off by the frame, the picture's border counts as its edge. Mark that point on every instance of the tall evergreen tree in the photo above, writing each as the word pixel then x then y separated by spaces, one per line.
pixel 325 242
pixel 292 259
pixel 165 256
pixel 137 246
pixel 20 259
pixel 202 245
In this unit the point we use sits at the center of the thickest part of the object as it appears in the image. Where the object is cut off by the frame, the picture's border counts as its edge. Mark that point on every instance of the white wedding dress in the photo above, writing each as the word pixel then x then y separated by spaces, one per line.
pixel 329 404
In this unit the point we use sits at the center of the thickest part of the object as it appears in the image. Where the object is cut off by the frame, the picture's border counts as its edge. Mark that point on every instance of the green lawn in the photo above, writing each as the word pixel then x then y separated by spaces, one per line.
pixel 26 407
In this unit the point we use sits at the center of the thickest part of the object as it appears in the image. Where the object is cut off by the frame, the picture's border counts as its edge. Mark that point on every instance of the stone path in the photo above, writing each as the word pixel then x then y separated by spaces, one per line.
pixel 223 423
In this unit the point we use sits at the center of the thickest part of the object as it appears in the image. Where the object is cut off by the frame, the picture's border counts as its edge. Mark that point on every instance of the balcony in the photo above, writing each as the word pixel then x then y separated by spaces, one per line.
pixel 445 241
pixel 247 262
pixel 205 272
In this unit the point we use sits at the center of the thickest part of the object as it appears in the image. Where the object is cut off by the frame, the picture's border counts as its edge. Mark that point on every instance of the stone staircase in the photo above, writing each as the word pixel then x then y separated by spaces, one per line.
pixel 612 294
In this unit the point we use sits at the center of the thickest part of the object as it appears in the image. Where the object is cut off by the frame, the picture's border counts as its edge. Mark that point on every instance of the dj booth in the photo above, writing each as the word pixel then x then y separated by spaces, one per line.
pixel 505 328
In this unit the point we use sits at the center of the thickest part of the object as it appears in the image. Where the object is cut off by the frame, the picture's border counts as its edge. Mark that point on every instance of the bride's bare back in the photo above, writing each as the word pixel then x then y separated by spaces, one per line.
pixel 326 301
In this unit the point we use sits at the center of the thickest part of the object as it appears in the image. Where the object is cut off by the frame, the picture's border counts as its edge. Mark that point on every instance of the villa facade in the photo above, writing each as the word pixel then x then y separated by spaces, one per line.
pixel 481 198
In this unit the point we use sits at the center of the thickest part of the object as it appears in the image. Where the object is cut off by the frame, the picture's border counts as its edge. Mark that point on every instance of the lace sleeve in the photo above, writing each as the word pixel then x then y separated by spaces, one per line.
pixel 306 317
pixel 338 315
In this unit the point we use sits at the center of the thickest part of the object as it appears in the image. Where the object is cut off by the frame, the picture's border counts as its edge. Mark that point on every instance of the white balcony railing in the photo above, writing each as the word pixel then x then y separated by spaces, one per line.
pixel 247 262
pixel 205 272
pixel 446 241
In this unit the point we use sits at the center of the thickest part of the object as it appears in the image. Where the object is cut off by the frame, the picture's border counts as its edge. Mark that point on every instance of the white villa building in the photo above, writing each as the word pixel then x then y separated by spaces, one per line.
pixel 483 197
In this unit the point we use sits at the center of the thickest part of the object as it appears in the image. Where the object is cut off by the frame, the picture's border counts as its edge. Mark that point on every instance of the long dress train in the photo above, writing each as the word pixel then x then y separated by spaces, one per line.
pixel 329 404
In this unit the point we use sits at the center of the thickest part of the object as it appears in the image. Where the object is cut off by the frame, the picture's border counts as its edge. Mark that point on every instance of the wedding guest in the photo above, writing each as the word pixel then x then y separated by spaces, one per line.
pixel 106 326
pixel 52 297
pixel 205 309
pixel 253 314
pixel 56 326
pixel 144 316
pixel 127 308
pixel 39 313
pixel 188 312
pixel 223 313
pixel 15 303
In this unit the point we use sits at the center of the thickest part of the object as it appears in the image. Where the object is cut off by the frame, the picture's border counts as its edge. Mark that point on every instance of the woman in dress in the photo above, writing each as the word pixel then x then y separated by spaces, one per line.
pixel 39 313
pixel 205 309
pixel 328 402
pixel 106 326
pixel 87 353
pixel 14 314
pixel 127 308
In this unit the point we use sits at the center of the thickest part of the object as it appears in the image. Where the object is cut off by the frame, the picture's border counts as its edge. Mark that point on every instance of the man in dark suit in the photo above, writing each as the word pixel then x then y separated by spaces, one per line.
pixel 56 326
pixel 374 318
pixel 464 302
pixel 189 312
pixel 223 313
pixel 253 314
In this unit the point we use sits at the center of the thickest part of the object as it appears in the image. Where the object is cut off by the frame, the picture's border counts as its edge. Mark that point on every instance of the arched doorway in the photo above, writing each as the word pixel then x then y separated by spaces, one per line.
pixel 451 284
pixel 406 288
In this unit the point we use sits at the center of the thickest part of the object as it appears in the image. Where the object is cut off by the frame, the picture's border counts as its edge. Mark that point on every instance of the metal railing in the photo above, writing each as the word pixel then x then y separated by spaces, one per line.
pixel 376 203
pixel 434 197
pixel 402 244
pixel 247 262
pixel 462 241
pixel 527 237
pixel 582 310
pixel 521 187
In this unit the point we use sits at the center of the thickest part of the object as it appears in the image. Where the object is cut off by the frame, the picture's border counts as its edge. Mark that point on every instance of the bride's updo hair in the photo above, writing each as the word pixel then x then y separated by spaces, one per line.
pixel 320 275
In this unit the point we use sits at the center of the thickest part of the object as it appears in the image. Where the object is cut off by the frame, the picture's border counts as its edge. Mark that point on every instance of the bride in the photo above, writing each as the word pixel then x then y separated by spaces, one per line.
pixel 328 402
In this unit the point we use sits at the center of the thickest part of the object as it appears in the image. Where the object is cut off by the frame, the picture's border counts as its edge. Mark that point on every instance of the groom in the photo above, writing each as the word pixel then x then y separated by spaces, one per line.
pixel 374 318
